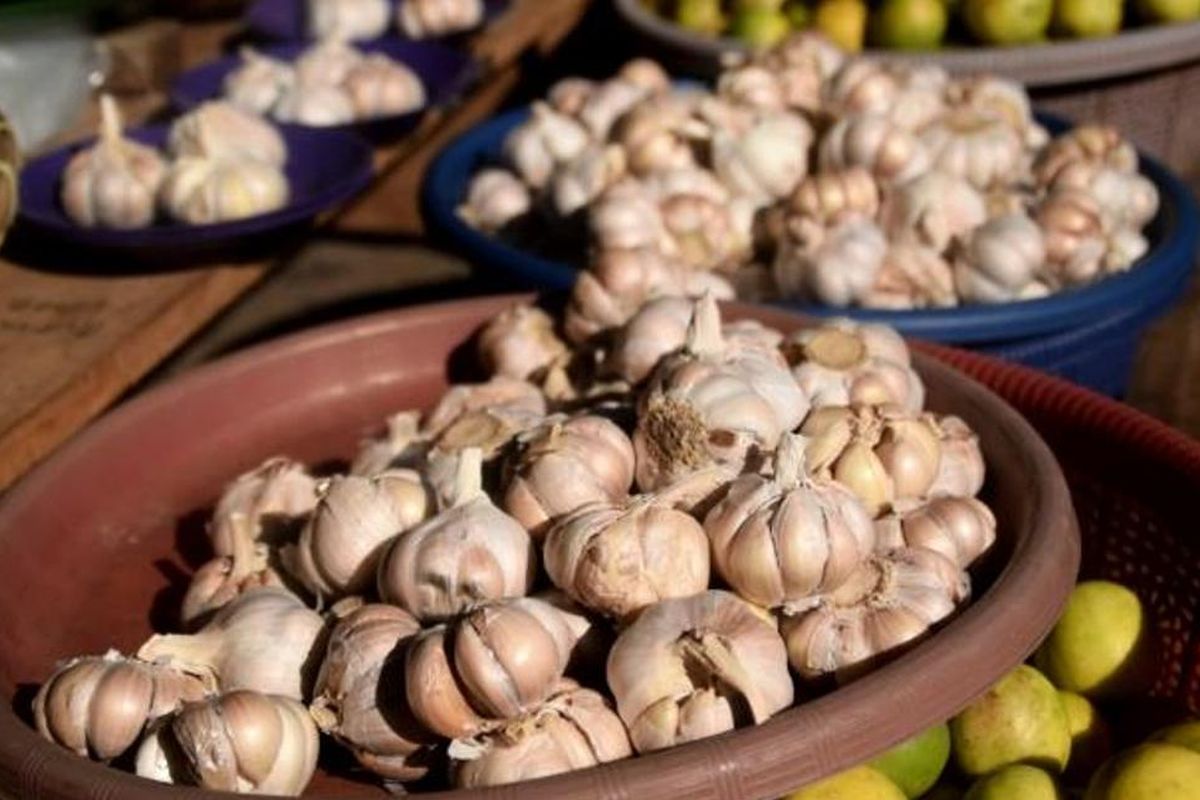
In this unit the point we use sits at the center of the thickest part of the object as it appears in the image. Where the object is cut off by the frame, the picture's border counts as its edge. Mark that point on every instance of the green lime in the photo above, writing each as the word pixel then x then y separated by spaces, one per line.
pixel 759 28
pixel 1015 781
pixel 1007 22
pixel 860 783
pixel 909 24
pixel 916 764
pixel 1096 646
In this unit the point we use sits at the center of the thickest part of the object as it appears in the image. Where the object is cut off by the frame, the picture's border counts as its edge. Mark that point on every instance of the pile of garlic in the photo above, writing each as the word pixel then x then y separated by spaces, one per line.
pixel 330 83
pixel 222 164
pixel 598 551
pixel 357 20
pixel 807 174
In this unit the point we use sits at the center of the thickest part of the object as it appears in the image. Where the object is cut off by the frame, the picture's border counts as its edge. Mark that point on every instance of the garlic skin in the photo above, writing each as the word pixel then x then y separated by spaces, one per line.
pixel 319 105
pixel 1000 261
pixel 223 131
pixel 711 403
pixel 933 210
pixel 219 581
pixel 339 549
pixel 243 742
pixel 1080 152
pixel 701 234
pixel 861 86
pixel 837 266
pixel 496 662
pixel 1073 231
pixel 495 198
pixel 921 96
pixel 982 149
pixel 890 600
pixel 259 83
pixel 843 363
pixel 205 191
pixel 911 276
pixel 658 133
pixel 275 497
pixel 785 539
pixel 751 85
pixel 519 342
pixel 574 729
pixel 547 139
pixel 961 529
pixel 961 468
pixel 619 559
pixel 112 184
pixel 891 153
pixel 566 464
pixel 469 553
pixel 578 182
pixel 767 161
pixel 697 666
pixel 427 19
pixel 500 393
pixel 263 641
pixel 98 706
pixel 381 87
pixel 359 696
pixel 833 196
pixel 352 20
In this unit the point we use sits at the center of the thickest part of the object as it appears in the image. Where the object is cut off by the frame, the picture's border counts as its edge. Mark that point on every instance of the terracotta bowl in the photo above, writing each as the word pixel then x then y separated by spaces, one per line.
pixel 95 547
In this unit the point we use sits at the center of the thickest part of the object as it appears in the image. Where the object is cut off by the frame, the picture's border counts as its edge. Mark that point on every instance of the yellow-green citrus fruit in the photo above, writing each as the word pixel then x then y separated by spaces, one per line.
pixel 701 16
pixel 1020 720
pixel 1148 772
pixel 1168 10
pixel 798 14
pixel 1087 18
pixel 909 24
pixel 1185 734
pixel 916 764
pixel 843 21
pixel 759 28
pixel 1016 782
pixel 860 783
pixel 757 5
pixel 1007 22
pixel 1091 740
pixel 1096 646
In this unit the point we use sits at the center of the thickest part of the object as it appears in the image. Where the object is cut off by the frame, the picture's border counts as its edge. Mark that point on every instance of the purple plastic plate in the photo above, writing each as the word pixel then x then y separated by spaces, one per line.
pixel 324 168
pixel 445 72
pixel 283 20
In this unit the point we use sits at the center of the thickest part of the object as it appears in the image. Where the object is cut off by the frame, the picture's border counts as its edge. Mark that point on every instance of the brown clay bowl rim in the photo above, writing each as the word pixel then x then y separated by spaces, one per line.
pixel 995 633
pixel 1051 64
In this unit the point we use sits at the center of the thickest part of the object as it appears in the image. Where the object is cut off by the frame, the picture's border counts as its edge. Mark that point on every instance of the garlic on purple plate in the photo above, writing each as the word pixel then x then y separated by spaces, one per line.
pixel 495 197
pixel 712 403
pixel 425 19
pixel 99 706
pixel 574 729
pixel 469 553
pixel 843 362
pixel 784 540
pixel 697 666
pixel 223 131
pixel 258 83
pixel 565 464
pixel 379 86
pixel 519 342
pixel 959 528
pixel 326 63
pixel 891 599
pixel 205 191
pixel 242 741
pixel 113 183
pixel 359 697
pixel 495 662
pixel 1000 261
pixel 319 105
pixel 351 20
pixel 263 640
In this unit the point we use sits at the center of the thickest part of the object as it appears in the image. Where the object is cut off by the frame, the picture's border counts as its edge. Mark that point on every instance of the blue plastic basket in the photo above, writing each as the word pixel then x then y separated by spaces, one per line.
pixel 1088 335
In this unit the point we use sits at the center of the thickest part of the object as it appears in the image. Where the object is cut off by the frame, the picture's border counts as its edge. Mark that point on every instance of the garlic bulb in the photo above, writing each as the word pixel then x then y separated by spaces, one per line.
pixel 891 599
pixel 381 87
pixel 469 553
pixel 843 362
pixel 574 729
pixel 204 191
pixel 1125 247
pixel 911 276
pixel 606 103
pixel 861 86
pixel 891 153
pixel 263 641
pixel 837 266
pixel 1128 200
pixel 566 464
pixel 831 197
pixel 802 63
pixel 519 342
pixel 223 131
pixel 220 580
pixel 569 95
pixel 767 161
pixel 496 662
pixel 697 666
pixel 401 446
pixel 961 468
pixel 326 63
pixel 692 180
pixel 98 706
pixel 1073 231
pixel 921 96
pixel 617 559
pixel 276 496
pixel 347 19
pixel 1080 152
pixel 426 19
pixel 547 139
pixel 112 184
pixel 628 216
pixel 978 147
pixel 751 85
pixel 319 105
pixel 339 548
pixel 710 403
pixel 242 742
pixel 999 97
pixel 658 133
pixel 495 197
pixel 959 528
pixel 500 393
pixel 578 182
pixel 359 696
pixel 259 83
pixel 882 454
pixel 933 210
pixel 785 539
pixel 1000 261
pixel 659 327
pixel 701 234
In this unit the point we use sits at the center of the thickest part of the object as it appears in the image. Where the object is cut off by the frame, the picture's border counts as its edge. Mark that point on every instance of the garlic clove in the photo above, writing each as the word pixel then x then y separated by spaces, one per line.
pixel 379 86
pixel 216 583
pixel 423 19
pixel 961 470
pixel 844 363
pixel 519 342
pixel 276 496
pixel 959 528
pixel 258 83
pixel 402 446
pixel 350 20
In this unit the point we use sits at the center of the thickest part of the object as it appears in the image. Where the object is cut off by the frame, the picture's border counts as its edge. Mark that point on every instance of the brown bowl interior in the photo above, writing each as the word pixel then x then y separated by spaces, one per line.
pixel 97 544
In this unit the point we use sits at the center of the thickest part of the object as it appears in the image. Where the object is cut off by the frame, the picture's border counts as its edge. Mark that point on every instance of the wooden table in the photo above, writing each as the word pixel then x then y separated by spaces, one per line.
pixel 72 342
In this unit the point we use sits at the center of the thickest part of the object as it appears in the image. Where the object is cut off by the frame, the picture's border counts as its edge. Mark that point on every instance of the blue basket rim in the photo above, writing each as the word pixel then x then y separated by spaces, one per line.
pixel 1151 283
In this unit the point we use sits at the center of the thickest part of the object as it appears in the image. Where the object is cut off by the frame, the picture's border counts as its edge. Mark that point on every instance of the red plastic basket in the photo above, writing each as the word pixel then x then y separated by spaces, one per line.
pixel 1133 480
